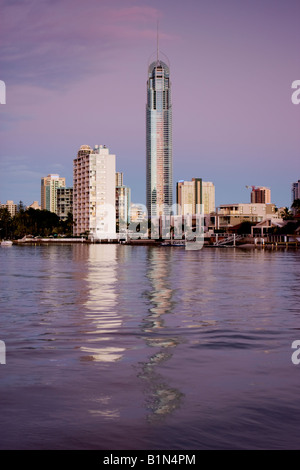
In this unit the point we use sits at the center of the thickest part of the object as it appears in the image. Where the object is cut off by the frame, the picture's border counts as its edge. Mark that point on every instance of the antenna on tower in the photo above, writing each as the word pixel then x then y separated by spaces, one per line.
pixel 157 40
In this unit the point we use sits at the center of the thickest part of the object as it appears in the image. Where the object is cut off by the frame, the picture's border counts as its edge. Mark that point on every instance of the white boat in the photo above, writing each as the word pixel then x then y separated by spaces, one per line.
pixel 6 243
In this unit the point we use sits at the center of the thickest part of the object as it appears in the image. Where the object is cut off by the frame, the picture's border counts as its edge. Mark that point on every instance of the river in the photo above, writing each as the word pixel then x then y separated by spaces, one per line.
pixel 133 347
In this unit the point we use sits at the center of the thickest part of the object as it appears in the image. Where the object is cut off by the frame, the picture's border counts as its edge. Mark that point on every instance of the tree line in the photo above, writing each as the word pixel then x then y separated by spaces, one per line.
pixel 34 222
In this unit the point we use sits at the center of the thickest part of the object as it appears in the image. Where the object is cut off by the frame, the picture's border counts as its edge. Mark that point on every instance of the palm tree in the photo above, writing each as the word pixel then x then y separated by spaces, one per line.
pixel 286 214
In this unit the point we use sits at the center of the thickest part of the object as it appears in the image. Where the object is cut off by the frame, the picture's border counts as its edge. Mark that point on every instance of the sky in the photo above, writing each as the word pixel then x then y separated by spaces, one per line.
pixel 76 73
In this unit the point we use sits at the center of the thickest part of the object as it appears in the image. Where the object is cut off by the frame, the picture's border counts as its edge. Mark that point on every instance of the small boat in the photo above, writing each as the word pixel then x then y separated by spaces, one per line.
pixel 6 243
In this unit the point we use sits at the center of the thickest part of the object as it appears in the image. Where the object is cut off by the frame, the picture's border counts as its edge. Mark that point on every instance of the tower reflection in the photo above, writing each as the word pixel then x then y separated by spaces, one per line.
pixel 162 399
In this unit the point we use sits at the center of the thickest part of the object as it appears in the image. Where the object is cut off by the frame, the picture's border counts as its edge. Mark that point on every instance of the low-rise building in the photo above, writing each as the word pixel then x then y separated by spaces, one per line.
pixel 229 215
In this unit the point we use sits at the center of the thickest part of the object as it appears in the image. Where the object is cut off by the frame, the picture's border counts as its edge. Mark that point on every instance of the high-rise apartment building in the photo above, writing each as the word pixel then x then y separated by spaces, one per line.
pixel 260 195
pixel 159 172
pixel 208 197
pixel 64 202
pixel 189 196
pixel 49 185
pixel 94 188
pixel 195 197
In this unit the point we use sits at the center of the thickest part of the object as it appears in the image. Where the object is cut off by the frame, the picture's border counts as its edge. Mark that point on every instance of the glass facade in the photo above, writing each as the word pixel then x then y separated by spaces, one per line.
pixel 159 140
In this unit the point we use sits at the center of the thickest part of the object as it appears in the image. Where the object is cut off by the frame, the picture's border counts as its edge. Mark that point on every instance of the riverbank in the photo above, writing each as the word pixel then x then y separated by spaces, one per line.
pixel 245 243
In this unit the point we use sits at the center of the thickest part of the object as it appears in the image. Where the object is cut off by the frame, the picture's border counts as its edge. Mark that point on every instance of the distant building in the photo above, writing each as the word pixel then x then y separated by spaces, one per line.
pixel 295 191
pixel 260 195
pixel 94 192
pixel 191 194
pixel 119 179
pixel 49 185
pixel 11 207
pixel 35 205
pixel 208 197
pixel 137 212
pixel 64 202
pixel 229 215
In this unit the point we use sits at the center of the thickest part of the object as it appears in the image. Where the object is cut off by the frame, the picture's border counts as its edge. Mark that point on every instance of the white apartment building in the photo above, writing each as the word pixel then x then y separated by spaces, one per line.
pixel 94 176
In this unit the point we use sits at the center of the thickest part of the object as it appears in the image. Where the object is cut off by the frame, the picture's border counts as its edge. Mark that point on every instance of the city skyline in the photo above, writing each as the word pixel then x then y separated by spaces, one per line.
pixel 234 122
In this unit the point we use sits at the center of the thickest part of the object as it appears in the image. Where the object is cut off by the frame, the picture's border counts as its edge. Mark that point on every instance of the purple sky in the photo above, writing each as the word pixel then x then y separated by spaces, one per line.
pixel 76 72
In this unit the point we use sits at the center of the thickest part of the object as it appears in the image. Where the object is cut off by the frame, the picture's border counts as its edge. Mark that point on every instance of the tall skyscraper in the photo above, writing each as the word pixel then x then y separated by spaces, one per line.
pixel 159 172
pixel 49 185
pixel 94 188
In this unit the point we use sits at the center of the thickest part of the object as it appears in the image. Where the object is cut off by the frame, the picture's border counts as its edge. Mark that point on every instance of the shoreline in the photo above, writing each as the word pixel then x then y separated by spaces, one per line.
pixel 148 242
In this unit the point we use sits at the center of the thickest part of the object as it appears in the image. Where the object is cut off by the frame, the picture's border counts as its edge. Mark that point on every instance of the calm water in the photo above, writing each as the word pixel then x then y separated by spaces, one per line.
pixel 119 347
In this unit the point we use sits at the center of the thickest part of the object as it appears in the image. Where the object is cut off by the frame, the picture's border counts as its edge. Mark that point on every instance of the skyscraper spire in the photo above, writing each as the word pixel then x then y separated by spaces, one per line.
pixel 157 41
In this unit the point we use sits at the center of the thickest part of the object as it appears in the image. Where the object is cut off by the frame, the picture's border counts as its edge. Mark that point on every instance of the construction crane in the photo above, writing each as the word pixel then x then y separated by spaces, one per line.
pixel 256 187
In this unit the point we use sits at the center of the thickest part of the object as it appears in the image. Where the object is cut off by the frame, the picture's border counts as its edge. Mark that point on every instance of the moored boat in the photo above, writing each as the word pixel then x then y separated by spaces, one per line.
pixel 6 243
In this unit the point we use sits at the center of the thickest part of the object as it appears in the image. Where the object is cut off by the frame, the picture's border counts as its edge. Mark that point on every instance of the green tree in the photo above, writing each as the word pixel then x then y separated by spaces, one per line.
pixel 66 226
pixel 5 223
pixel 21 207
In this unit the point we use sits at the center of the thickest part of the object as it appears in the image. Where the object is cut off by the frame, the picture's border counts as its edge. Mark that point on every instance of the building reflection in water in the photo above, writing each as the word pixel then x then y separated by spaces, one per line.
pixel 100 305
pixel 162 399
pixel 100 321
